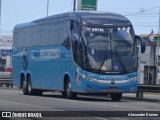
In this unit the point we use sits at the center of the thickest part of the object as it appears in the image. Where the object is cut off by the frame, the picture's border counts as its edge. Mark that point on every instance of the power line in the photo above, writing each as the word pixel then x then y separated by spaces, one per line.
pixel 135 13
pixel 143 18
pixel 135 8
pixel 144 14
pixel 0 15
pixel 153 8
pixel 3 31
pixel 146 25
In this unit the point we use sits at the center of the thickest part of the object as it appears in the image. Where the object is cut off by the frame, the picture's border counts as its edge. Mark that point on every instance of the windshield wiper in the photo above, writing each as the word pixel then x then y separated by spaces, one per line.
pixel 120 61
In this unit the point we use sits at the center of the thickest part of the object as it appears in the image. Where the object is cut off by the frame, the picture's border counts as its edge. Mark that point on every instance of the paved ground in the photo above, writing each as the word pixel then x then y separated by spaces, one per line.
pixel 147 96
pixel 12 99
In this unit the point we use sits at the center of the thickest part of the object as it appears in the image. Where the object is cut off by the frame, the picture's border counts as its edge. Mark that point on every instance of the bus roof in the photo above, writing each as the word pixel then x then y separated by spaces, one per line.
pixel 107 17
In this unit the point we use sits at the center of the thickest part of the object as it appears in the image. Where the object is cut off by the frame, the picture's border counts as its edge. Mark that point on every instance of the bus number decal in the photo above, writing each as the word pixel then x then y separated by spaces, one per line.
pixel 50 53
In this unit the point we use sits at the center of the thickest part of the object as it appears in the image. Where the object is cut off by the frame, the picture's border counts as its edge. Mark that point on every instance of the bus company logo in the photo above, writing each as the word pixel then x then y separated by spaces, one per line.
pixel 112 82
pixel 25 58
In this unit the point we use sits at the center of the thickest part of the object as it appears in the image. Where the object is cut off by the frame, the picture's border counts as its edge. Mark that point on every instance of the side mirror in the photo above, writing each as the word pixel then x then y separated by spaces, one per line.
pixel 143 45
pixel 66 43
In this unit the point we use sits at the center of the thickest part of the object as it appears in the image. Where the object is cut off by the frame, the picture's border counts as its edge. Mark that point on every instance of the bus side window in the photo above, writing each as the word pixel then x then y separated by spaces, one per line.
pixel 64 38
pixel 75 40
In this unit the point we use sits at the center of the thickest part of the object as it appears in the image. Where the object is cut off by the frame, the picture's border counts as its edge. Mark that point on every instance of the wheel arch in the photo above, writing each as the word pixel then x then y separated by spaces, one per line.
pixel 28 75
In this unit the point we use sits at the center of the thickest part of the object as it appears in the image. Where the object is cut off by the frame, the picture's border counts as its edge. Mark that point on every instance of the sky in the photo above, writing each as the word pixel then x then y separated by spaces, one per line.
pixel 144 14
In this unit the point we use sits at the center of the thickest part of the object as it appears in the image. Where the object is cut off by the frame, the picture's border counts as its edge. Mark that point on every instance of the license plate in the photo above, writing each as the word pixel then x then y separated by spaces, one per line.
pixel 112 89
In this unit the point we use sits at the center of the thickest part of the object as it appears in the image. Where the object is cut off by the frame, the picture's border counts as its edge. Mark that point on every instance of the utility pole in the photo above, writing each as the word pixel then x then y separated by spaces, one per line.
pixel 0 15
pixel 158 45
pixel 74 5
pixel 159 33
pixel 47 6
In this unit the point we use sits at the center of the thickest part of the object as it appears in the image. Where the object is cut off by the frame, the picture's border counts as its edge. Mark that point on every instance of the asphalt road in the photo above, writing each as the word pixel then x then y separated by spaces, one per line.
pixel 14 100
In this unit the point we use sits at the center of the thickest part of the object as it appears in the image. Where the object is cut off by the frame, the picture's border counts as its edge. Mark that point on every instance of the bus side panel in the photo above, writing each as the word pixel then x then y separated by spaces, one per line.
pixel 17 66
pixel 48 66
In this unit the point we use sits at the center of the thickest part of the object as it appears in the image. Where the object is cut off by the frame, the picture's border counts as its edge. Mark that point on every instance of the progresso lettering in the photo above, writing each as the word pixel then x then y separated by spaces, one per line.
pixel 50 53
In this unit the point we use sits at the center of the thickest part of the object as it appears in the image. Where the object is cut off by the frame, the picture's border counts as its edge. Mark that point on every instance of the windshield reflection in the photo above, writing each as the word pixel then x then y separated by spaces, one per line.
pixel 110 49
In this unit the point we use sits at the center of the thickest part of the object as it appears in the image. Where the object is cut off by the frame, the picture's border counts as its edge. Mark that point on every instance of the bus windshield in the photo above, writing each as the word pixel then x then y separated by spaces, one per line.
pixel 110 49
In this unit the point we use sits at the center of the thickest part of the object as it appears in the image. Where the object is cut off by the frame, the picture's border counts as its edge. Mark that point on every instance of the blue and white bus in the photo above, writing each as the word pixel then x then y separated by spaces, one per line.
pixel 76 53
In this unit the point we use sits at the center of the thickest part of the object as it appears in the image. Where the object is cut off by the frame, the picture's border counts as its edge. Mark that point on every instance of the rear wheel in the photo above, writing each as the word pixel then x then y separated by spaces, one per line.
pixel 30 90
pixel 116 96
pixel 68 92
pixel 29 86
pixel 24 87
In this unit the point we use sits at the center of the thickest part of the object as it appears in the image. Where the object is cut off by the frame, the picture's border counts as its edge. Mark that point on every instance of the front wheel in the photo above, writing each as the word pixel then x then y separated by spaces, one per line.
pixel 68 93
pixel 116 96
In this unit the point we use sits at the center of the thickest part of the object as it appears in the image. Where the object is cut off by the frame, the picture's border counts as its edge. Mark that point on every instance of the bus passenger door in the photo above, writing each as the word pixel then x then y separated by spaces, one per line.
pixel 77 50
pixel 76 42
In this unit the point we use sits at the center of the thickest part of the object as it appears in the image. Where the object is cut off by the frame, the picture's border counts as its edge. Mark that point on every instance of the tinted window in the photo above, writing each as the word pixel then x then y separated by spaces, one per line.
pixel 63 31
pixel 20 37
pixel 39 35
pixel 44 29
pixel 27 32
pixel 54 31
pixel 36 35
pixel 15 37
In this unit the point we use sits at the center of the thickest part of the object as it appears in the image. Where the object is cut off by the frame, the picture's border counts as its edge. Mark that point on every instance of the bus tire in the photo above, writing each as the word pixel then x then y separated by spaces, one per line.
pixel 116 96
pixel 32 91
pixel 29 86
pixel 68 93
pixel 24 87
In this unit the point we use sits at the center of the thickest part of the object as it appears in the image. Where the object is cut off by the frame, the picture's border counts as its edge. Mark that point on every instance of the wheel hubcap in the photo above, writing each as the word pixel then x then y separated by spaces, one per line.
pixel 24 84
pixel 68 88
pixel 29 87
